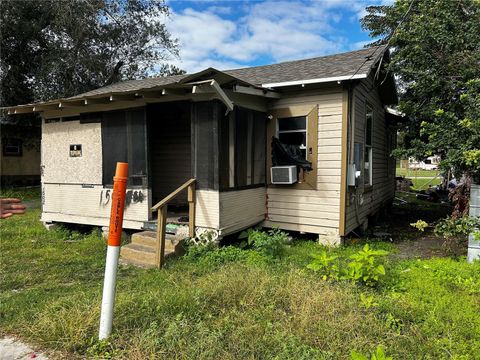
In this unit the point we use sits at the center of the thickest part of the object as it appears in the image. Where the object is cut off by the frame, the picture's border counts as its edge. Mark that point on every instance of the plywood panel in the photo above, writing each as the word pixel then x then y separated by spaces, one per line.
pixel 58 166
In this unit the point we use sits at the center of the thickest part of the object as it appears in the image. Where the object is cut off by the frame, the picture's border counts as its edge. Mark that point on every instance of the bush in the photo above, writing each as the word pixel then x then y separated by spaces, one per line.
pixel 271 243
pixel 455 232
pixel 211 255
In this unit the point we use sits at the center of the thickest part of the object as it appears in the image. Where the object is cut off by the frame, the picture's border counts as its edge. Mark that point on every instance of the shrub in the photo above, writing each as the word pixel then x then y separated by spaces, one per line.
pixel 271 243
pixel 455 232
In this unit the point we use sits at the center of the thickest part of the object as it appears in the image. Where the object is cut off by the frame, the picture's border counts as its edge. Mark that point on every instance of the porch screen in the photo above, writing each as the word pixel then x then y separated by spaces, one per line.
pixel 124 140
pixel 242 149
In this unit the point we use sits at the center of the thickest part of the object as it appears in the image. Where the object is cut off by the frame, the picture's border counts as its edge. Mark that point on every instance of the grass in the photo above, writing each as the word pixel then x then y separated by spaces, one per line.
pixel 410 173
pixel 230 303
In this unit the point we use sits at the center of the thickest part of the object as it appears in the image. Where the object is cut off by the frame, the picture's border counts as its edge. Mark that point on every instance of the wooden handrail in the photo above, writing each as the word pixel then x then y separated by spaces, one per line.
pixel 161 207
pixel 172 195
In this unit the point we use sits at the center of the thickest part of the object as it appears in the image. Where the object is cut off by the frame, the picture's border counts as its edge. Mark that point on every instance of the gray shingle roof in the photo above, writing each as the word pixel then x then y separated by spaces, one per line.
pixel 344 65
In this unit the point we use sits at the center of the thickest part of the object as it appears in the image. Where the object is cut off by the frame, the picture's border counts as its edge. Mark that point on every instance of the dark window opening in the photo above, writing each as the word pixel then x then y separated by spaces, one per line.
pixel 293 131
pixel 12 147
pixel 124 140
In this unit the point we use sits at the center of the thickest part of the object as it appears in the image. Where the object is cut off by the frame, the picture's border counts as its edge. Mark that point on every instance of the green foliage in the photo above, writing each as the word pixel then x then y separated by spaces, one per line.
pixel 102 349
pixel 455 232
pixel 53 49
pixel 377 355
pixel 271 243
pixel 324 265
pixel 212 255
pixel 367 301
pixel 435 52
pixel 365 267
pixel 454 227
pixel 421 225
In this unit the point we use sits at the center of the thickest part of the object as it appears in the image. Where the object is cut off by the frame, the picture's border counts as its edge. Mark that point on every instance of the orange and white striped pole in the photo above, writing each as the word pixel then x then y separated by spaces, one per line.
pixel 113 249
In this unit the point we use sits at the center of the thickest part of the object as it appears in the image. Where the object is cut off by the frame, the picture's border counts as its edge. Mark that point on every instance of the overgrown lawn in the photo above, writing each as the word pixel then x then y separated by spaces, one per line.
pixel 230 303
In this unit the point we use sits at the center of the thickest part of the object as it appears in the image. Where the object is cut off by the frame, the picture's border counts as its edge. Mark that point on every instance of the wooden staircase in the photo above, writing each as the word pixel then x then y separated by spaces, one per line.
pixel 149 248
pixel 142 250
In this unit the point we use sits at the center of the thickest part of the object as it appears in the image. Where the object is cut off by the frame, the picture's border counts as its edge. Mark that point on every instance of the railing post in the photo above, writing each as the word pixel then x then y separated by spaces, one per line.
pixel 191 210
pixel 160 248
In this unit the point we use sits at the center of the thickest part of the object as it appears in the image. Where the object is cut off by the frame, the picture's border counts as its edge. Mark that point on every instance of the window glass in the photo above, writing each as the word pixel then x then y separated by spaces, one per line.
pixel 368 155
pixel 293 131
pixel 292 123
pixel 12 147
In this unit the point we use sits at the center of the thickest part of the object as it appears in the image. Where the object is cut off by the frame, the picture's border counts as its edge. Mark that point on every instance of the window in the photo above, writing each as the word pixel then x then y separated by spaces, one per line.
pixel 368 153
pixel 12 147
pixel 293 131
pixel 124 140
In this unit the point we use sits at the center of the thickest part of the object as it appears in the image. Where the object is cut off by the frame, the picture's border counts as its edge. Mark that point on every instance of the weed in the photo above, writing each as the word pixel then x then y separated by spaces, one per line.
pixel 365 267
pixel 324 265
pixel 367 301
pixel 377 355
pixel 271 243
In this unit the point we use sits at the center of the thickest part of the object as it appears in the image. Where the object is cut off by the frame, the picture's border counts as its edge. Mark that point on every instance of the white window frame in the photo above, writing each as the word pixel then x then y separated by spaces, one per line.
pixel 368 148
pixel 305 147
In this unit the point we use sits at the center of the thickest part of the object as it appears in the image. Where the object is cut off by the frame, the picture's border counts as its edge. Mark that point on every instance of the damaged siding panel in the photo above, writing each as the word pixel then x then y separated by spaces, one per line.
pixel 92 202
pixel 241 209
pixel 382 189
pixel 315 211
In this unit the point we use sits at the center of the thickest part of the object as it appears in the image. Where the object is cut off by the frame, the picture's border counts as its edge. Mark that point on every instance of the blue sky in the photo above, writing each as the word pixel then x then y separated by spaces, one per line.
pixel 230 34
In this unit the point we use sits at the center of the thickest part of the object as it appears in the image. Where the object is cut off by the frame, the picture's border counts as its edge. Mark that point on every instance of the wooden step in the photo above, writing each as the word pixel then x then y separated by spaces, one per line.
pixel 141 251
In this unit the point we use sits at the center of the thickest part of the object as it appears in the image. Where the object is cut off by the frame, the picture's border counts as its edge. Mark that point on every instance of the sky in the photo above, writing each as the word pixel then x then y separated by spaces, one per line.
pixel 230 34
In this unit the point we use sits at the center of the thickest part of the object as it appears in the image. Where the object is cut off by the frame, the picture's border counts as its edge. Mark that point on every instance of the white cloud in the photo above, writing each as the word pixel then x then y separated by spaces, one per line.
pixel 272 30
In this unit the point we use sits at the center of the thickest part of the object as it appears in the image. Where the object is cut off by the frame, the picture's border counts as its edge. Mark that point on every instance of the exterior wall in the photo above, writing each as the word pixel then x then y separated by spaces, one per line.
pixel 26 165
pixel 315 211
pixel 207 209
pixel 24 169
pixel 366 200
pixel 72 189
pixel 241 209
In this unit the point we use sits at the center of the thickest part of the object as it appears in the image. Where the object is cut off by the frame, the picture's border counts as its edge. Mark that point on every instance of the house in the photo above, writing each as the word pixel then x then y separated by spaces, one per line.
pixel 429 163
pixel 217 127
pixel 19 155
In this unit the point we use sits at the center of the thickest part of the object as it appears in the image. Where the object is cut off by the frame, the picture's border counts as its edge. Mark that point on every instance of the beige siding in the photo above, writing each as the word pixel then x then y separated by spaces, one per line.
pixel 27 164
pixel 241 209
pixel 365 201
pixel 91 205
pixel 315 211
pixel 58 166
pixel 207 209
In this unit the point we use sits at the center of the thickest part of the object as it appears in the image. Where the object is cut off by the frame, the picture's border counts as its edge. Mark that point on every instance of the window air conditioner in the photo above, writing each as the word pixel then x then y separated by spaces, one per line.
pixel 283 174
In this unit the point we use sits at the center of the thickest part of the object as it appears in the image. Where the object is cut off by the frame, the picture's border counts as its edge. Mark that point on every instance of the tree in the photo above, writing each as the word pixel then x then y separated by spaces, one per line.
pixel 52 49
pixel 435 53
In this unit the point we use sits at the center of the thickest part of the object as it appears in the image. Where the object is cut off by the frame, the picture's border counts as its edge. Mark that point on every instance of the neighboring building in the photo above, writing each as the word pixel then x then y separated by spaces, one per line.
pixel 216 127
pixel 19 156
pixel 430 163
